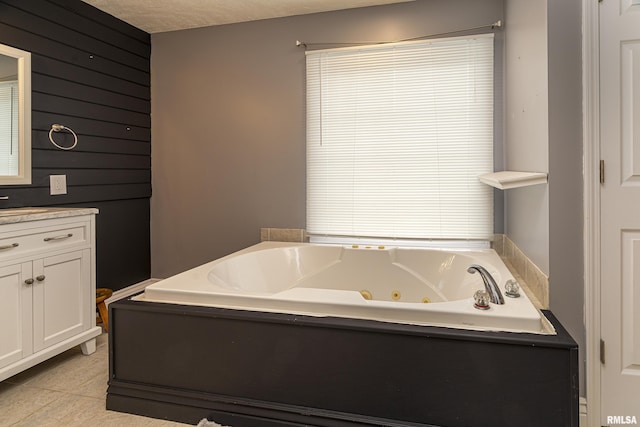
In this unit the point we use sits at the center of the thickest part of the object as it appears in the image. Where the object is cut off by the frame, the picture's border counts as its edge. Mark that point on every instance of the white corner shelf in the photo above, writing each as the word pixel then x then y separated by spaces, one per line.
pixel 511 179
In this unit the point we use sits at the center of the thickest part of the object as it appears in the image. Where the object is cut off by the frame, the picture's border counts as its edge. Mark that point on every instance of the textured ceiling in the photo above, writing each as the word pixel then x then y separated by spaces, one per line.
pixel 155 16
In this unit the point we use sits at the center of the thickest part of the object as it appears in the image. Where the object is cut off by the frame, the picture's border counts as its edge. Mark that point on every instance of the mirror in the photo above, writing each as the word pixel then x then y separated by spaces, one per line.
pixel 15 116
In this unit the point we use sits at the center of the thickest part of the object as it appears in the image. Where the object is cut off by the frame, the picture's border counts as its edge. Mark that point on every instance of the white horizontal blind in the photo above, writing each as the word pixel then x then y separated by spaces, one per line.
pixel 9 128
pixel 396 137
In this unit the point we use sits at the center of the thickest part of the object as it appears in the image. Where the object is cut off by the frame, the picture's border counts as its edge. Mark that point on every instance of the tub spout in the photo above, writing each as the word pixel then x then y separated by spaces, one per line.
pixel 495 296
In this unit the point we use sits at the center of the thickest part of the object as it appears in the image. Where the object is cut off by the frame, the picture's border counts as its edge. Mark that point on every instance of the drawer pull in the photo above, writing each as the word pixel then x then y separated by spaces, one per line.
pixel 11 246
pixel 61 237
pixel 40 278
pixel 28 282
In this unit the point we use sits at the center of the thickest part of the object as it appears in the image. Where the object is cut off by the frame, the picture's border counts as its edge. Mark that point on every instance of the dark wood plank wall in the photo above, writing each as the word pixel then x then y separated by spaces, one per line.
pixel 90 72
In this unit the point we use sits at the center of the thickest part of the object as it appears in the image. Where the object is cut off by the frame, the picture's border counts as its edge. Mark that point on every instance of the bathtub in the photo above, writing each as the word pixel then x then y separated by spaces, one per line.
pixel 403 285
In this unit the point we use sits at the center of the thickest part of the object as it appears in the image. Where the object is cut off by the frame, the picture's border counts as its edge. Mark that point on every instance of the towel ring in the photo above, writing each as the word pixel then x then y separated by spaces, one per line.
pixel 58 128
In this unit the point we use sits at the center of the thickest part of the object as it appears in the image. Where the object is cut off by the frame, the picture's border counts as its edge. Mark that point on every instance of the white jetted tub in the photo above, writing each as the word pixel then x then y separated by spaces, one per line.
pixel 391 284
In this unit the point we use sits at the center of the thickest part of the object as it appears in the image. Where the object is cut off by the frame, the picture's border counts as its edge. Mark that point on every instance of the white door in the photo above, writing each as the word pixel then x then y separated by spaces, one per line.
pixel 620 210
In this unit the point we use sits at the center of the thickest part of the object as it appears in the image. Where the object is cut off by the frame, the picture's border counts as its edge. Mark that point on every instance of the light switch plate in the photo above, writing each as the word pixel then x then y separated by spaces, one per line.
pixel 58 184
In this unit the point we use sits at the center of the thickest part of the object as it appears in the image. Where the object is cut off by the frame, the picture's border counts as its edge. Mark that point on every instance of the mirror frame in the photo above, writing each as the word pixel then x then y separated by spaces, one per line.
pixel 24 117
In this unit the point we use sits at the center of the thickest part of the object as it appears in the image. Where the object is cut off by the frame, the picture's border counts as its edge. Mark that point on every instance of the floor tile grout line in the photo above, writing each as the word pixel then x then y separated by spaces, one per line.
pixel 38 409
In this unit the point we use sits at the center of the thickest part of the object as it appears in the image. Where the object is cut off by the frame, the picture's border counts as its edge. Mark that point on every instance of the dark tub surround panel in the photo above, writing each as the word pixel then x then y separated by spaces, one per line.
pixel 90 72
pixel 250 369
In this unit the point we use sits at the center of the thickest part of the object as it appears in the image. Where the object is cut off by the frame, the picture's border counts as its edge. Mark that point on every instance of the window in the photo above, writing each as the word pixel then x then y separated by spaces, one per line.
pixel 396 137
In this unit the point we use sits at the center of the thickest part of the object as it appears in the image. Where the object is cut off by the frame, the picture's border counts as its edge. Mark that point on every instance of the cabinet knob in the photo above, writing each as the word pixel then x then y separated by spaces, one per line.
pixel 40 278
pixel 28 282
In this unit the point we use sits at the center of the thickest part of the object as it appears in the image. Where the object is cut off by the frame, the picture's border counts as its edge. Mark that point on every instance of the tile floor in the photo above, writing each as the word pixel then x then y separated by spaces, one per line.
pixel 67 390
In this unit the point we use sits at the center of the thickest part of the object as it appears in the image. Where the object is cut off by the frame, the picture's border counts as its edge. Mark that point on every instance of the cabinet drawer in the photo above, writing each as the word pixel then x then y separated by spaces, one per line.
pixel 43 239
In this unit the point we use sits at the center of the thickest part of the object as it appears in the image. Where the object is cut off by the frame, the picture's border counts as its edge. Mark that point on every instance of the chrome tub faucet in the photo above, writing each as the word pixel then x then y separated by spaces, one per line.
pixel 490 285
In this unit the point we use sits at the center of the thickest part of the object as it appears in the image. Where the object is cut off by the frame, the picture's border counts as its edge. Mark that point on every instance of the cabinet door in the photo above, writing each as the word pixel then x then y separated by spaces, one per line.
pixel 61 297
pixel 15 313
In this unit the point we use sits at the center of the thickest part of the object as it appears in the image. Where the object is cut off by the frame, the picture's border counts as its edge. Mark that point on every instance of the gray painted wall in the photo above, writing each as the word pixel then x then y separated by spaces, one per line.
pixel 229 121
pixel 566 213
pixel 526 125
pixel 228 132
pixel 543 132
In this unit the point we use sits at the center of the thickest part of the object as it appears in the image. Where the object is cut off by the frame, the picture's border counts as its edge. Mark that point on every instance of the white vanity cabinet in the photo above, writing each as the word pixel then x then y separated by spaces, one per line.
pixel 47 285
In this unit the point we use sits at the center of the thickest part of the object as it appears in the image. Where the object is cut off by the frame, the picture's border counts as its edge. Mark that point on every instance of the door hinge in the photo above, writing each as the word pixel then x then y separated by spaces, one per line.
pixel 601 171
pixel 601 351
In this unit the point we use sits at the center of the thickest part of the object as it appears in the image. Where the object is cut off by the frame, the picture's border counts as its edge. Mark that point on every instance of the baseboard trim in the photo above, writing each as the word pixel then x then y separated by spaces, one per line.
pixel 582 402
pixel 130 290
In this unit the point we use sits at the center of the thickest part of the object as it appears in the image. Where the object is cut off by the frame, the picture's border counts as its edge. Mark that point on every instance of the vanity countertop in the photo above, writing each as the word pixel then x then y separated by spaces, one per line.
pixel 15 215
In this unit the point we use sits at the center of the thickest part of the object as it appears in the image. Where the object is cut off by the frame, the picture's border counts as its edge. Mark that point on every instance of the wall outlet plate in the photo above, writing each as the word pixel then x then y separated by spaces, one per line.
pixel 58 184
